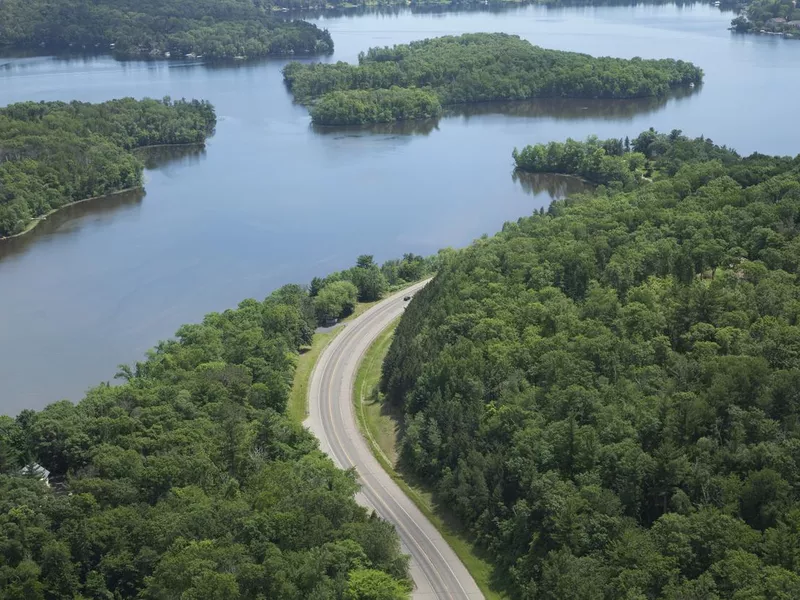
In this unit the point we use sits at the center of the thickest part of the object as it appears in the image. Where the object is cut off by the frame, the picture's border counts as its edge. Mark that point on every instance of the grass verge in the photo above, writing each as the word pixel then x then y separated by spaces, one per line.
pixel 379 426
pixel 297 408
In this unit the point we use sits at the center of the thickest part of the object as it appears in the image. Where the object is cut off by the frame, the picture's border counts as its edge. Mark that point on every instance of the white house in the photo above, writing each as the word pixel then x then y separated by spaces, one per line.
pixel 36 470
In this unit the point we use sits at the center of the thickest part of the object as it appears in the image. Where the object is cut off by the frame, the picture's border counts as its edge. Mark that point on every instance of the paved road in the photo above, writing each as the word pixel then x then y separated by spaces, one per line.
pixel 435 568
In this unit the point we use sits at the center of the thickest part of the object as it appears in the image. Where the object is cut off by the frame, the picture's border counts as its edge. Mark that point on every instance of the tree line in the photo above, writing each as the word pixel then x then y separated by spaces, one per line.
pixel 607 392
pixel 623 163
pixel 598 161
pixel 134 28
pixel 335 296
pixel 188 481
pixel 480 67
pixel 54 153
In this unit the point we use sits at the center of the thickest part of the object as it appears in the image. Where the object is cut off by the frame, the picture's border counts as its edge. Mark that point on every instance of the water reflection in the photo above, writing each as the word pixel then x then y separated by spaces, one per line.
pixel 398 128
pixel 495 7
pixel 571 108
pixel 72 218
pixel 156 157
pixel 15 62
pixel 557 186
pixel 71 54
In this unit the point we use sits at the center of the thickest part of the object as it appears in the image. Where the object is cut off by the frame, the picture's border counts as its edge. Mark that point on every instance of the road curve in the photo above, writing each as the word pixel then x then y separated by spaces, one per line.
pixel 436 570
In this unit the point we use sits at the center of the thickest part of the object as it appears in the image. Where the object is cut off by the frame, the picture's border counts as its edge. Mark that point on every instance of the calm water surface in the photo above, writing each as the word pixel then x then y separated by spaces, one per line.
pixel 271 200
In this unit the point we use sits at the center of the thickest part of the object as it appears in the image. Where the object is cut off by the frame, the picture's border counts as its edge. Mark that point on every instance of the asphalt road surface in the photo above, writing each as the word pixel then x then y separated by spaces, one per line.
pixel 436 570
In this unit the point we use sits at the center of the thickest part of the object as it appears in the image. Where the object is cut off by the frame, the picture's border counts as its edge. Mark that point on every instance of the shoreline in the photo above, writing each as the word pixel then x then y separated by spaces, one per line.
pixel 37 220
pixel 151 146
pixel 594 184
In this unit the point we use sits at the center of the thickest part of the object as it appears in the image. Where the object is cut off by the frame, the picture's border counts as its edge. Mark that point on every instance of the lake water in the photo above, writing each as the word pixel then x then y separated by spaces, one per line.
pixel 271 200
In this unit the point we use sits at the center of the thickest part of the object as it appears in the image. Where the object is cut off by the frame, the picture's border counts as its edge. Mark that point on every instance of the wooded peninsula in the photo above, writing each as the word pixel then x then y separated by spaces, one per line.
pixel 189 480
pixel 606 392
pixel 56 153
pixel 158 29
pixel 413 79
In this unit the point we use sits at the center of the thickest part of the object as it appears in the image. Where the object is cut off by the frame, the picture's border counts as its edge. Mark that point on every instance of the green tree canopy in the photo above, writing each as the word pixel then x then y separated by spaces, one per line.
pixel 128 28
pixel 606 393
pixel 335 300
pixel 187 480
pixel 368 584
pixel 54 153
pixel 412 80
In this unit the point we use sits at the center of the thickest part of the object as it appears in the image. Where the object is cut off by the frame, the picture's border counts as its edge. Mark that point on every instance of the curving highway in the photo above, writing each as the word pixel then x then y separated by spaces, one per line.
pixel 436 570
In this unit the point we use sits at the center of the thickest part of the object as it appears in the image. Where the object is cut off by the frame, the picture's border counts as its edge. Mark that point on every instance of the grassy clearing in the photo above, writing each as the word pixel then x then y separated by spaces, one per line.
pixel 380 427
pixel 298 399
pixel 297 408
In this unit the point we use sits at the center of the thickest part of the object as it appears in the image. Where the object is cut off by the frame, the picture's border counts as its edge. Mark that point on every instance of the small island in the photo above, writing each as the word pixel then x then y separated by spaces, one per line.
pixel 214 29
pixel 53 153
pixel 772 17
pixel 476 67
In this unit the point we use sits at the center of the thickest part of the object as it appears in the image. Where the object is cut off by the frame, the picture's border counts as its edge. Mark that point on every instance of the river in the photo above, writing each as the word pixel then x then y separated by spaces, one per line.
pixel 271 200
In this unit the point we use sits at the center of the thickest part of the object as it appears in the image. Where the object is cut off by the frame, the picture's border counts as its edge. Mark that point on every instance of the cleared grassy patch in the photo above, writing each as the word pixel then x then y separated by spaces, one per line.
pixel 298 399
pixel 297 408
pixel 380 426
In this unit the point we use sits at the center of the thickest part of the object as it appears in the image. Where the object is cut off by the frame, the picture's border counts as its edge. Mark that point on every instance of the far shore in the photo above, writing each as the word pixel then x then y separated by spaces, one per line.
pixel 34 222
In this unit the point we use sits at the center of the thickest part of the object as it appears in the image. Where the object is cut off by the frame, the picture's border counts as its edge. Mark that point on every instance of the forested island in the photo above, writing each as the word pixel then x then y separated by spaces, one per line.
pixel 769 16
pixel 470 68
pixel 189 481
pixel 606 392
pixel 158 29
pixel 56 153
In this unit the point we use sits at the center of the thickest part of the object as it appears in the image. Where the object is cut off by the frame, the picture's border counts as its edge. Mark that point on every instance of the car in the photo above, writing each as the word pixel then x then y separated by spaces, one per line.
pixel 407 298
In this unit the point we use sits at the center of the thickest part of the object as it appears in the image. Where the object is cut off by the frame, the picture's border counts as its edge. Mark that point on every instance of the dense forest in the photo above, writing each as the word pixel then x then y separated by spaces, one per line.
pixel 773 16
pixel 54 153
pixel 608 392
pixel 359 107
pixel 479 67
pixel 187 480
pixel 158 29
